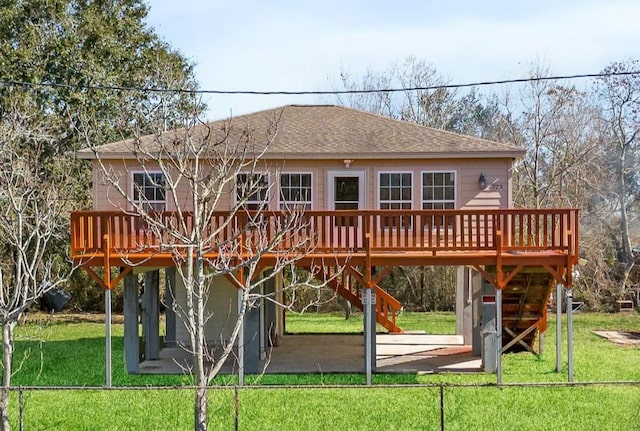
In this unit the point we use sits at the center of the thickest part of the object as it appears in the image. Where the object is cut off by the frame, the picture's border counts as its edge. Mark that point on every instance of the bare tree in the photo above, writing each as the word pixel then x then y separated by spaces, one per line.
pixel 441 108
pixel 619 97
pixel 33 215
pixel 556 125
pixel 219 225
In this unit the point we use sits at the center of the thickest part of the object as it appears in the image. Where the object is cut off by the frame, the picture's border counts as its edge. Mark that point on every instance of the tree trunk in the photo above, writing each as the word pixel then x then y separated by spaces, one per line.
pixel 201 407
pixel 202 372
pixel 7 345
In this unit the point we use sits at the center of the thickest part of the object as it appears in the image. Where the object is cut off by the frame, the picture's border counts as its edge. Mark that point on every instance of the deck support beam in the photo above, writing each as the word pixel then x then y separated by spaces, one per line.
pixel 517 338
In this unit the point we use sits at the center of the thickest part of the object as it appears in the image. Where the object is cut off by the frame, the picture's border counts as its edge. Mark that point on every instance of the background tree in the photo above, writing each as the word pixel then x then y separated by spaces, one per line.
pixel 422 288
pixel 619 98
pixel 73 47
pixel 202 168
pixel 34 209
pixel 555 124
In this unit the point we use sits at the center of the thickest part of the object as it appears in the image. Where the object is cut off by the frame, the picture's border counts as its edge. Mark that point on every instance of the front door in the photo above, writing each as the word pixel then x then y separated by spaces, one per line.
pixel 347 192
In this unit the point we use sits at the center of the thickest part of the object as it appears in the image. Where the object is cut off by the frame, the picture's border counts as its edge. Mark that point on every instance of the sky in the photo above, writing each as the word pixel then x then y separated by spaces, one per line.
pixel 291 45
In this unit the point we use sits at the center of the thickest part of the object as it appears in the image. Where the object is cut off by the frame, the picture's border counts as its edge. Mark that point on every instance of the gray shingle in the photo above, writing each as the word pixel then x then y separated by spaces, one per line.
pixel 327 131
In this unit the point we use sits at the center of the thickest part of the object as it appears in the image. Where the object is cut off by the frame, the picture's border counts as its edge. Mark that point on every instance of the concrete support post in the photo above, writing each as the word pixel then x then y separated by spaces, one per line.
pixel 251 327
pixel 558 328
pixel 270 312
pixel 489 327
pixel 151 315
pixel 570 334
pixel 369 333
pixel 499 335
pixel 107 319
pixel 169 313
pixel 476 313
pixel 464 304
pixel 460 288
pixel 131 316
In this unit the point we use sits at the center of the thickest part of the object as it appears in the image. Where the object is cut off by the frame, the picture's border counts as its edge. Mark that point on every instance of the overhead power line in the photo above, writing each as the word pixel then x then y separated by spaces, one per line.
pixel 14 83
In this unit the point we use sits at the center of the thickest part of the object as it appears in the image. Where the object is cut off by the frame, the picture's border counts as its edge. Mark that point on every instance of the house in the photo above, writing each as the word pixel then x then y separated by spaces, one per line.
pixel 382 193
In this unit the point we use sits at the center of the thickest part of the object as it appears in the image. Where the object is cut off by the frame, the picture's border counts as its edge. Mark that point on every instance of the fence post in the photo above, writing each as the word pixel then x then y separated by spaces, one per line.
pixel 441 407
pixel 20 408
pixel 236 408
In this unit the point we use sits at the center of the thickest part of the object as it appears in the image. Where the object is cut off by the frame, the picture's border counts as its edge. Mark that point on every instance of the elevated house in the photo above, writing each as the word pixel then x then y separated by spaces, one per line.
pixel 378 193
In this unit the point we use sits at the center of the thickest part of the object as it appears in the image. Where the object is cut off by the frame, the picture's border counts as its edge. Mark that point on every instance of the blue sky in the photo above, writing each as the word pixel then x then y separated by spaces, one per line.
pixel 303 45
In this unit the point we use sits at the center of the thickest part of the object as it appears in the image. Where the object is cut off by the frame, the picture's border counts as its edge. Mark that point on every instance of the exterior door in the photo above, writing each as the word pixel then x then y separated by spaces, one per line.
pixel 347 193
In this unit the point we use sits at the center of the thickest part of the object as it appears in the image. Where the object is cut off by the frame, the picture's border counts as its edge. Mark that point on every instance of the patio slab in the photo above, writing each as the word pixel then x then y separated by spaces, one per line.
pixel 343 353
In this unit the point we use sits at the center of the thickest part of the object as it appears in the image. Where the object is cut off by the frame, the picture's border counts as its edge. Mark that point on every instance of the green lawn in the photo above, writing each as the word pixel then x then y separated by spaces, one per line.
pixel 72 354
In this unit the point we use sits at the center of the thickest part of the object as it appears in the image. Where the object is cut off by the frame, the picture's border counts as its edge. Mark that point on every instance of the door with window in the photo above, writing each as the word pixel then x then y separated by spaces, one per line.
pixel 346 192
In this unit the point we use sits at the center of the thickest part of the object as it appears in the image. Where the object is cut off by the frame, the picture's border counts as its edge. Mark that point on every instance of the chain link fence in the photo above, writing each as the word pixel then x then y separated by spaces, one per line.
pixel 327 407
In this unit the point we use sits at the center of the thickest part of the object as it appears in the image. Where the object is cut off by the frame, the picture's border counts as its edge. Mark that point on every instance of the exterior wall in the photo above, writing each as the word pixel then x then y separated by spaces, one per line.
pixel 496 194
pixel 223 306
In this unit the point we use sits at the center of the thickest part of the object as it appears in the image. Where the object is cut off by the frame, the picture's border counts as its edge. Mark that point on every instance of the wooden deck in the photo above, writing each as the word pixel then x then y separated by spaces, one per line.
pixel 449 237
pixel 504 245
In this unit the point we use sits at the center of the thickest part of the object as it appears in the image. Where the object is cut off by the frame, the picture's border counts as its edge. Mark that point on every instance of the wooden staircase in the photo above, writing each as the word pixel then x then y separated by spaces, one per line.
pixel 524 309
pixel 349 287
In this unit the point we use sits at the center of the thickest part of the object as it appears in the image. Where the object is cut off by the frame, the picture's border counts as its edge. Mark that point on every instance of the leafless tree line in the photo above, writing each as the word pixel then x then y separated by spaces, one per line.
pixel 581 142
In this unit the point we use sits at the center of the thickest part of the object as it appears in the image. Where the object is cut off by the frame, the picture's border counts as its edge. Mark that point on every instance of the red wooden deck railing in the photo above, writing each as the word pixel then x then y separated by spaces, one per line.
pixel 339 232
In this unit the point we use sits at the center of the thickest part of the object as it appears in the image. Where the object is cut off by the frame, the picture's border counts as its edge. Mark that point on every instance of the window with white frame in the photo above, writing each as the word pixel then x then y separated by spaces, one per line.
pixel 395 190
pixel 295 191
pixel 252 190
pixel 149 190
pixel 395 193
pixel 439 193
pixel 438 190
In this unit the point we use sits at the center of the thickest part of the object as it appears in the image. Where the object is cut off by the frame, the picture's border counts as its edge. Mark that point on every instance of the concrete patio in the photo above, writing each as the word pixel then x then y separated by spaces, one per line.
pixel 344 353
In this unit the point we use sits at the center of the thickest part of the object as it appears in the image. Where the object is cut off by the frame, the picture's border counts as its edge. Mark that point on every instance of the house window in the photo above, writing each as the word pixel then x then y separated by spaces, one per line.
pixel 395 191
pixel 395 194
pixel 149 190
pixel 439 193
pixel 295 191
pixel 252 191
pixel 438 190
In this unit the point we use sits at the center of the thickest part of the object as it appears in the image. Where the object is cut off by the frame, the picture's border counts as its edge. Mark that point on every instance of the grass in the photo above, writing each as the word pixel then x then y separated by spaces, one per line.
pixel 70 353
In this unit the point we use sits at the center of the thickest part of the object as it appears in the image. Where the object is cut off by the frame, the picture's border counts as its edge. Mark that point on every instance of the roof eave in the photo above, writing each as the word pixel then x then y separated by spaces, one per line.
pixel 515 154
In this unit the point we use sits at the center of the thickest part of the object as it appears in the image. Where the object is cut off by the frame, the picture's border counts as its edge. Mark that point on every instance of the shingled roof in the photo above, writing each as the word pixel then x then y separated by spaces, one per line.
pixel 328 132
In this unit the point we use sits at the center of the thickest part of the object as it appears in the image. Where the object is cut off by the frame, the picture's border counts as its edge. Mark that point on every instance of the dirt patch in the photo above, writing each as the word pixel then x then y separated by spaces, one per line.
pixel 620 337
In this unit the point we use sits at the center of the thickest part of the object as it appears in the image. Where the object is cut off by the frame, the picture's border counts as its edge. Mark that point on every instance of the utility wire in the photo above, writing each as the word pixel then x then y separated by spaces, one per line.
pixel 321 92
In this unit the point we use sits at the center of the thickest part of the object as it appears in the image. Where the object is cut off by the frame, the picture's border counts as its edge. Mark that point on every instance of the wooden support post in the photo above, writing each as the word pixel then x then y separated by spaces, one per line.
pixel 131 334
